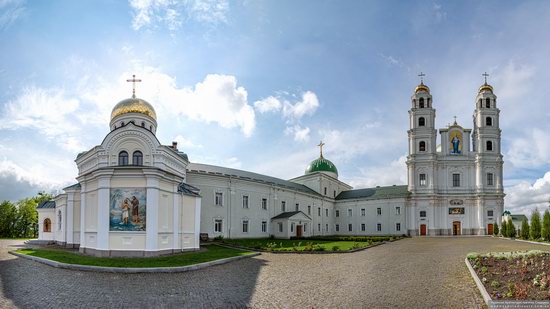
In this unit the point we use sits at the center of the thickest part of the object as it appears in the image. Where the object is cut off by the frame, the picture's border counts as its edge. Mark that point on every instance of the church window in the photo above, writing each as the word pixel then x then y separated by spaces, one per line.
pixel 350 212
pixel 398 210
pixel 488 121
pixel 423 214
pixel 337 213
pixel 283 206
pixel 363 212
pixel 337 227
pixel 325 190
pixel 309 210
pixel 363 227
pixel 137 158
pixel 292 227
pixel 326 228
pixel 264 226
pixel 421 121
pixel 488 103
pixel 245 226
pixel 123 158
pixel 490 179
pixel 480 103
pixel 264 204
pixel 218 226
pixel 280 225
pixel 421 103
pixel 319 211
pixel 47 225
pixel 489 146
pixel 398 227
pixel 489 213
pixel 326 212
pixel 319 227
pixel 422 146
pixel 143 124
pixel 334 193
pixel 379 227
pixel 379 211
pixel 422 180
pixel 297 206
pixel 350 227
pixel 245 201
pixel 59 218
pixel 456 180
pixel 219 199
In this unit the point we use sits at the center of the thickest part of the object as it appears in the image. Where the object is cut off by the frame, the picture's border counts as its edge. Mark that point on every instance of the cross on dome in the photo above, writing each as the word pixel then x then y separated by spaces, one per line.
pixel 321 144
pixel 133 81
pixel 421 75
pixel 485 75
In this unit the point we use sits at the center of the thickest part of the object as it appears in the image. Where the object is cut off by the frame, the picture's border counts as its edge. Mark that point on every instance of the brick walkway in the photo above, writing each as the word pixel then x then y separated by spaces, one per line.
pixel 416 272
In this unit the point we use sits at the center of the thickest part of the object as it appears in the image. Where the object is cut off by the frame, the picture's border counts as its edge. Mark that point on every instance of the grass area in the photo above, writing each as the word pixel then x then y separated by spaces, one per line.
pixel 16 238
pixel 299 244
pixel 209 253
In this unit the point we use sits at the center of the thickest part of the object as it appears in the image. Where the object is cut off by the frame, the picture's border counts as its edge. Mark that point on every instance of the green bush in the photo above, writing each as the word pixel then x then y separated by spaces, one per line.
pixel 495 229
pixel 511 228
pixel 535 228
pixel 335 248
pixel 524 229
pixel 546 225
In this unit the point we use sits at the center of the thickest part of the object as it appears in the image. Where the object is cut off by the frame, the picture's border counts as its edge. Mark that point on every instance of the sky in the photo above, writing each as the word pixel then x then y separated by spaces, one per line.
pixel 255 85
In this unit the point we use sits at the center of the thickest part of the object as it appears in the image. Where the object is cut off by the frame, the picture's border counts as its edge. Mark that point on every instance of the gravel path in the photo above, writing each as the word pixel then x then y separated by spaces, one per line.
pixel 413 273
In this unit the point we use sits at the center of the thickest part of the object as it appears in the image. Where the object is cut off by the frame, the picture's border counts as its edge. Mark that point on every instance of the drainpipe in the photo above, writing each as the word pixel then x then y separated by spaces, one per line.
pixel 229 208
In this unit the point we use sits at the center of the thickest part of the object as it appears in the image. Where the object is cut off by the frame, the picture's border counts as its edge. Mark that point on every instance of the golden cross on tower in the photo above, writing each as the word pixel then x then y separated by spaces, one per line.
pixel 485 75
pixel 421 77
pixel 133 80
pixel 455 120
pixel 321 144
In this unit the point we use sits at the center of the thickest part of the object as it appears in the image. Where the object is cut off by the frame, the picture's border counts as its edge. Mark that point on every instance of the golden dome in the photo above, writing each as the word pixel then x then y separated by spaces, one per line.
pixel 422 87
pixel 133 105
pixel 485 87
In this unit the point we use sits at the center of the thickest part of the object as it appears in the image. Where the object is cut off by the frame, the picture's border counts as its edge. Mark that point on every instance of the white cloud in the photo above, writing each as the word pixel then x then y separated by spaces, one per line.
pixel 300 134
pixel 307 106
pixel 524 197
pixel 173 13
pixel 184 143
pixel 10 11
pixel 394 173
pixel 269 104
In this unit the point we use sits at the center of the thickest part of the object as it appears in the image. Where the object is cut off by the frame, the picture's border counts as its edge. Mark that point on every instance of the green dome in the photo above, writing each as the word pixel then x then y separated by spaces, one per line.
pixel 321 165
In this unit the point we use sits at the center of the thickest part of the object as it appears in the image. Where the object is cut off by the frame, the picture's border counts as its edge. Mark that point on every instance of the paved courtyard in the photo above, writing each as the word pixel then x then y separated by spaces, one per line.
pixel 415 272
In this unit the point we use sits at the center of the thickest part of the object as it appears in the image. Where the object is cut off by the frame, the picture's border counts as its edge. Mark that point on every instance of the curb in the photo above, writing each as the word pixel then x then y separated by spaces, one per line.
pixel 531 242
pixel 134 270
pixel 302 252
pixel 479 284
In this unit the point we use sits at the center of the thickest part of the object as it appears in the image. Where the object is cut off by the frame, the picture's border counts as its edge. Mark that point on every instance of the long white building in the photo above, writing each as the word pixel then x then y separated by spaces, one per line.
pixel 135 196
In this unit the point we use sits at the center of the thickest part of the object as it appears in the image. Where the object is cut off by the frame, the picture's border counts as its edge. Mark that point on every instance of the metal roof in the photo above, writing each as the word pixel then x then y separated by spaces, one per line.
pixel 76 186
pixel 519 217
pixel 375 193
pixel 46 204
pixel 289 214
pixel 188 189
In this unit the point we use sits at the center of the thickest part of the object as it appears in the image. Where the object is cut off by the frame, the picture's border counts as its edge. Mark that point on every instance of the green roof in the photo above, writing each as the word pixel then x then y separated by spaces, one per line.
pixel 519 217
pixel 375 193
pixel 46 204
pixel 321 165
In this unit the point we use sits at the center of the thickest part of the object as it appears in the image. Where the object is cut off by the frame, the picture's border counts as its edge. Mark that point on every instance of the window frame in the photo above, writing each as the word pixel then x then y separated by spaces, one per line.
pixel 218 201
pixel 218 223
pixel 456 180
pixel 490 179
pixel 121 155
pixel 421 122
pixel 245 203
pixel 137 158
pixel 379 211
pixel 422 179
pixel 264 226
pixel 379 227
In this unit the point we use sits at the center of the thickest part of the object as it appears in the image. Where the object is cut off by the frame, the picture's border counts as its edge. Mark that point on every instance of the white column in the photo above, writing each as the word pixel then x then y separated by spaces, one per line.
pixel 197 221
pixel 176 215
pixel 103 213
pixel 82 215
pixel 69 218
pixel 152 210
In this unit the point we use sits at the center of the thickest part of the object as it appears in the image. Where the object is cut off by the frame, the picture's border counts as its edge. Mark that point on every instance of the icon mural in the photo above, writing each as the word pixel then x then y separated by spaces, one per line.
pixel 455 139
pixel 127 209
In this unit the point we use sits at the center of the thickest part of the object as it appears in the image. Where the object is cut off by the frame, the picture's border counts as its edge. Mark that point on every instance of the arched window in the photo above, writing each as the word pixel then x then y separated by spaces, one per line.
pixel 137 158
pixel 489 121
pixel 428 102
pixel 123 158
pixel 422 146
pixel 47 225
pixel 421 121
pixel 489 146
pixel 480 103
pixel 59 218
pixel 122 124
pixel 488 103
pixel 421 103
pixel 143 124
pixel 150 128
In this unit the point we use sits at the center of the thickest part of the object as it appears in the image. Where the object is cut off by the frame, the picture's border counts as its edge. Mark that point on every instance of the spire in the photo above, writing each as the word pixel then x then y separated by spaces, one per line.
pixel 422 87
pixel 321 144
pixel 133 81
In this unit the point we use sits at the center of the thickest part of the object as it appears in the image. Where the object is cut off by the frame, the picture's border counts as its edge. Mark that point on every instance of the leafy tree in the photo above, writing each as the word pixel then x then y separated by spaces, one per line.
pixel 546 225
pixel 27 217
pixel 495 229
pixel 524 229
pixel 535 225
pixel 8 215
pixel 511 228
pixel 504 230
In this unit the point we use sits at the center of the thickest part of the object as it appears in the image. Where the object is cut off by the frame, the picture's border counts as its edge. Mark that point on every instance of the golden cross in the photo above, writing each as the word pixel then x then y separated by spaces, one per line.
pixel 321 144
pixel 134 80
pixel 485 75
pixel 421 77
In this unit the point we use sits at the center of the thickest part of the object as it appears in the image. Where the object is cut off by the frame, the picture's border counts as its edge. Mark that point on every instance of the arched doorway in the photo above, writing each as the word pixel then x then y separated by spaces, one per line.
pixel 456 228
pixel 423 230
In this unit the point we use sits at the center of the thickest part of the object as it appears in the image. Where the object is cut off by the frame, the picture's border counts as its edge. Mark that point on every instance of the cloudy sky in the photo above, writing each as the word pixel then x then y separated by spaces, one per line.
pixel 256 84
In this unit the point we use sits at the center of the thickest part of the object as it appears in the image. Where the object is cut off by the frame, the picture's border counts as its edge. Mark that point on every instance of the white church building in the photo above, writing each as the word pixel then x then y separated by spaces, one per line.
pixel 137 197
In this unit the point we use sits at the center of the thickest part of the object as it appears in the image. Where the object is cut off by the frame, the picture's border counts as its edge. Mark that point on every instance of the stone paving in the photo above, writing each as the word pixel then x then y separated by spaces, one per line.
pixel 412 273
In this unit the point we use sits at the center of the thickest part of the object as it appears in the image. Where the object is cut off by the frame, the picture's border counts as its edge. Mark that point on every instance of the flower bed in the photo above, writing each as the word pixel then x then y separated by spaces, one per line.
pixel 514 275
pixel 299 245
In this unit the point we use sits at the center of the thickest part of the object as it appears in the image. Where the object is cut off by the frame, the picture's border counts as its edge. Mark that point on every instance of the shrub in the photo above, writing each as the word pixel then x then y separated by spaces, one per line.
pixel 524 229
pixel 504 230
pixel 356 245
pixel 495 284
pixel 219 238
pixel 335 248
pixel 318 248
pixel 308 246
pixel 535 228
pixel 546 225
pixel 495 229
pixel 511 228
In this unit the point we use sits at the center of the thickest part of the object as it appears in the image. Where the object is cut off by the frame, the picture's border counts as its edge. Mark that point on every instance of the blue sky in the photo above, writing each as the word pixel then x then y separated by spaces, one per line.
pixel 256 84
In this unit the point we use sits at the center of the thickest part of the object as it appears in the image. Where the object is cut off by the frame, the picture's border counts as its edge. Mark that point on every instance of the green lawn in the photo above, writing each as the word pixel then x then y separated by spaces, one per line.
pixel 298 244
pixel 209 253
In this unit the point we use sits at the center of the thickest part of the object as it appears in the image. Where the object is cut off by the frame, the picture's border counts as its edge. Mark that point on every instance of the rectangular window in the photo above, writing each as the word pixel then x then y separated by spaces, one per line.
pixel 219 199
pixel 245 226
pixel 350 212
pixel 319 211
pixel 363 227
pixel 264 226
pixel 305 227
pixel 422 180
pixel 350 227
pixel 398 210
pixel 319 227
pixel 379 227
pixel 292 227
pixel 334 193
pixel 326 227
pixel 297 206
pixel 280 224
pixel 489 179
pixel 218 226
pixel 337 227
pixel 309 210
pixel 245 201
pixel 379 211
pixel 337 213
pixel 423 214
pixel 363 212
pixel 283 206
pixel 326 212
pixel 264 204
pixel 398 227
pixel 456 180
pixel 489 213
pixel 325 190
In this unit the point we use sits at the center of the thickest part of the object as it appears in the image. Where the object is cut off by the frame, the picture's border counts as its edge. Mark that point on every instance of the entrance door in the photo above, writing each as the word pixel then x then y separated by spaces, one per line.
pixel 456 228
pixel 298 231
pixel 490 229
pixel 422 229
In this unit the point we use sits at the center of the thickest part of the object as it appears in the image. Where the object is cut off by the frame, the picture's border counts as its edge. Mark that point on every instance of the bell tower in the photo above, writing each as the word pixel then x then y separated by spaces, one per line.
pixel 422 140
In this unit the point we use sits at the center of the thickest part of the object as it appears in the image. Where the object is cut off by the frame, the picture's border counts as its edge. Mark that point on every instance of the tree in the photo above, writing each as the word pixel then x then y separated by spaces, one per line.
pixel 495 229
pixel 504 230
pixel 546 225
pixel 511 228
pixel 535 228
pixel 524 229
pixel 8 215
pixel 27 217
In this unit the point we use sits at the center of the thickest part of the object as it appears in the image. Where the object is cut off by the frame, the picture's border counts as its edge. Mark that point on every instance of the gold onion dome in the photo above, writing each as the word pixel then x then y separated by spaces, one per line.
pixel 422 87
pixel 133 105
pixel 485 87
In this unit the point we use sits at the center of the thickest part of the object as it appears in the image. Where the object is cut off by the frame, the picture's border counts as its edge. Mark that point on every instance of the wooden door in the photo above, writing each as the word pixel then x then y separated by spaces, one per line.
pixel 422 229
pixel 298 231
pixel 490 229
pixel 456 228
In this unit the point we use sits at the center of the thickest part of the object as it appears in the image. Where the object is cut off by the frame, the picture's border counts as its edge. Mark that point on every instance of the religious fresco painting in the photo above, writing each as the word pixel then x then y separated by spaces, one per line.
pixel 455 138
pixel 127 209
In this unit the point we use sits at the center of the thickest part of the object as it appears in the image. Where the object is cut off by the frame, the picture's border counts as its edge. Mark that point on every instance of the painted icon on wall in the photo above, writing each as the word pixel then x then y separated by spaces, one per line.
pixel 127 209
pixel 455 138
